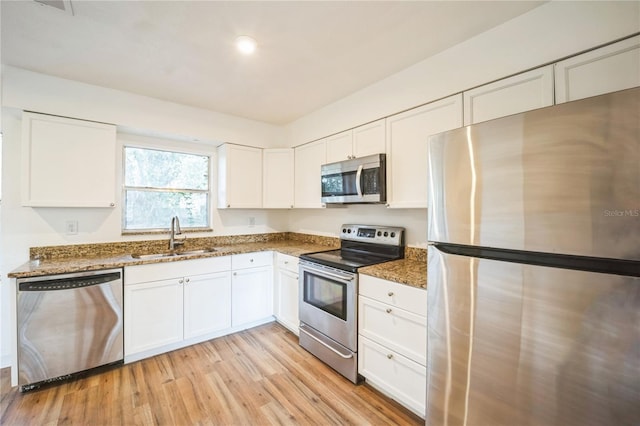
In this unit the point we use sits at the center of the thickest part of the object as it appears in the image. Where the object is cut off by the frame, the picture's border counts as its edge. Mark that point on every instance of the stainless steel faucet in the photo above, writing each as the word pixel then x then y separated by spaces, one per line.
pixel 175 230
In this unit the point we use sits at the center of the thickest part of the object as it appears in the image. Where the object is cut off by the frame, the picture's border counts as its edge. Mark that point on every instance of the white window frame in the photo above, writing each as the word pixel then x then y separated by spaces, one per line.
pixel 166 148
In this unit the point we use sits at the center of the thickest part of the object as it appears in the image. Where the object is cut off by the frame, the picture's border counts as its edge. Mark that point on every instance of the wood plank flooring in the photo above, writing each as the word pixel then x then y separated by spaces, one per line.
pixel 259 376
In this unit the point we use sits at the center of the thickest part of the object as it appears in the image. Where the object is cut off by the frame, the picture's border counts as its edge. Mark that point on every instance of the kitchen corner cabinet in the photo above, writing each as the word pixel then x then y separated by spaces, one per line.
pixel 519 93
pixel 278 175
pixel 251 288
pixel 169 303
pixel 239 177
pixel 308 160
pixel 608 69
pixel 392 340
pixel 286 291
pixel 364 140
pixel 407 149
pixel 67 162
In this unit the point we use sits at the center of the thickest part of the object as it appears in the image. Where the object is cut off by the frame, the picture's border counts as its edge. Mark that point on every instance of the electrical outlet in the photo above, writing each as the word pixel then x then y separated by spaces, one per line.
pixel 71 227
pixel 252 222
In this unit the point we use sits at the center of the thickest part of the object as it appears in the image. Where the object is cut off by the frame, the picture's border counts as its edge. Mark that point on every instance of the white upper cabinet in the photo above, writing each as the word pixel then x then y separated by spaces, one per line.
pixel 239 177
pixel 277 181
pixel 67 162
pixel 308 159
pixel 608 69
pixel 519 93
pixel 369 139
pixel 364 140
pixel 340 147
pixel 407 149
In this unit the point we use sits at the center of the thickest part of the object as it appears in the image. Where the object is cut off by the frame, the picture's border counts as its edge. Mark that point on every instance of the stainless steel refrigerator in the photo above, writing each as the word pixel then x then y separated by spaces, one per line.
pixel 534 268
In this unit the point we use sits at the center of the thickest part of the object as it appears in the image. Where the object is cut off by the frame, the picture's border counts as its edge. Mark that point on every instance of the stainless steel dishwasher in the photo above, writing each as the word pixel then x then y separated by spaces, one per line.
pixel 68 324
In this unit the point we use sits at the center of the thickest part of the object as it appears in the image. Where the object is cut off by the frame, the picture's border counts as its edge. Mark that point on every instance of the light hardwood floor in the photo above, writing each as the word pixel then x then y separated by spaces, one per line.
pixel 256 377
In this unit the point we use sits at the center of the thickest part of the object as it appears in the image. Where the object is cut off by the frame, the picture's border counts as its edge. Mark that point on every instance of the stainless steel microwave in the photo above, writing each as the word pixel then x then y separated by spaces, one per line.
pixel 360 180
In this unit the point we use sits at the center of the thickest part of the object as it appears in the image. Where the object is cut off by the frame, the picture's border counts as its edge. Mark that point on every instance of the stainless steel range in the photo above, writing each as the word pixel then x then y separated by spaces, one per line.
pixel 329 292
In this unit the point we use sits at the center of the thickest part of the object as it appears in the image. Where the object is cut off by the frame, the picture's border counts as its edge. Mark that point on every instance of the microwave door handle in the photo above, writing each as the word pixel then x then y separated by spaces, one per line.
pixel 358 177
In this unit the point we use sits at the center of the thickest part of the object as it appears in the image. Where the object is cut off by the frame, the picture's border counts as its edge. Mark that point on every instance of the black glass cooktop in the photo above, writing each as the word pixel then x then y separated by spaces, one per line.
pixel 345 260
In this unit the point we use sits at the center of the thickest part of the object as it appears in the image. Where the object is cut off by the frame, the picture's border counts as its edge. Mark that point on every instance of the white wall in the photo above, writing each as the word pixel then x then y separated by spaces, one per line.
pixel 543 35
pixel 37 92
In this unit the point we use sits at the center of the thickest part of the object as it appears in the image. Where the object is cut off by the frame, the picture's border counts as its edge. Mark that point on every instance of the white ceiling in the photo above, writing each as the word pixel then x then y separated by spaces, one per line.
pixel 309 53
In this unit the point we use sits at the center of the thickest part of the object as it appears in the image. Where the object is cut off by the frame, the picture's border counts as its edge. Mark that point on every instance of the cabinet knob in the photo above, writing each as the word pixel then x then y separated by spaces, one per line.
pixel 390 294
pixel 286 262
pixel 389 310
pixel 187 280
pixel 235 273
pixel 389 356
pixel 112 204
pixel 228 205
pixel 180 281
pixel 388 205
pixel 251 260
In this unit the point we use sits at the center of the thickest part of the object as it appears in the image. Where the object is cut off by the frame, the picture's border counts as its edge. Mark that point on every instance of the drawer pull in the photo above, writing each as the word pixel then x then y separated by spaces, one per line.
pixel 390 294
pixel 389 356
pixel 389 310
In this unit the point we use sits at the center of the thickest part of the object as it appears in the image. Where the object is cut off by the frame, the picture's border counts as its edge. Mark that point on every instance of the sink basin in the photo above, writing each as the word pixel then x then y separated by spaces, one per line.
pixel 172 253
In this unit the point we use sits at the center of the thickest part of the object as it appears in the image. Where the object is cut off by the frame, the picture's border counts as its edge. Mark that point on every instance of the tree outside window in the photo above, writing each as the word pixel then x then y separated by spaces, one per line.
pixel 161 184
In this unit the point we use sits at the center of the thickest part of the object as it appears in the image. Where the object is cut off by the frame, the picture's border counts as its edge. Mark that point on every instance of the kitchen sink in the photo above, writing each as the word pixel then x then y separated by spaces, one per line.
pixel 172 253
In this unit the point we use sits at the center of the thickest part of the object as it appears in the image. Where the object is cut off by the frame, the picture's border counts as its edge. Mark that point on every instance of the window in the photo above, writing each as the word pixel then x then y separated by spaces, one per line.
pixel 161 184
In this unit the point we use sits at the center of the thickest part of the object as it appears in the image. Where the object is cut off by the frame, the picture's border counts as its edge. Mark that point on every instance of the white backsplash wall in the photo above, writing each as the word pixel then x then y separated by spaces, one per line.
pixel 327 221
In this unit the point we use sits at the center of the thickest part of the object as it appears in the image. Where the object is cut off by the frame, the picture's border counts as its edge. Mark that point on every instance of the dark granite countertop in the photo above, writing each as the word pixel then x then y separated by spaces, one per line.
pixel 91 257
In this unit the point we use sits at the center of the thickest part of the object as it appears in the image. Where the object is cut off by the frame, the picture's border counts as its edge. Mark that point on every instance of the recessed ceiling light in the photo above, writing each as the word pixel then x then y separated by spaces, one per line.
pixel 246 44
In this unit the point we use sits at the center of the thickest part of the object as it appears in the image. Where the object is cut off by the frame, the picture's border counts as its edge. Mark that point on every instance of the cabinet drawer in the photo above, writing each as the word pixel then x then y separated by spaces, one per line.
pixel 399 330
pixel 252 260
pixel 402 296
pixel 286 262
pixel 401 378
pixel 159 271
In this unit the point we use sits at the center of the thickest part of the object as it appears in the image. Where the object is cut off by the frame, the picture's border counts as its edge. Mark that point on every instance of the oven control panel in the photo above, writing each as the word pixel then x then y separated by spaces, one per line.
pixel 389 235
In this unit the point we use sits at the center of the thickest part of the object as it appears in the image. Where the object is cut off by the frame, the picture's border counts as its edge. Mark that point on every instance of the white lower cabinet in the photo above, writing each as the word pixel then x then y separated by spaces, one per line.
pixel 286 291
pixel 392 340
pixel 399 377
pixel 153 315
pixel 170 305
pixel 251 288
pixel 206 304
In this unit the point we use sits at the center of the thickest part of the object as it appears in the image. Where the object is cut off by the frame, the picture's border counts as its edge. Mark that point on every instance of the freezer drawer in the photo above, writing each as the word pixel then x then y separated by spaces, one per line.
pixel 510 343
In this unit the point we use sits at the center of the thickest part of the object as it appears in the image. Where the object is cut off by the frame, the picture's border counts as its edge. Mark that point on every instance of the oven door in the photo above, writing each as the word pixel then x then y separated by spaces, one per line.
pixel 328 302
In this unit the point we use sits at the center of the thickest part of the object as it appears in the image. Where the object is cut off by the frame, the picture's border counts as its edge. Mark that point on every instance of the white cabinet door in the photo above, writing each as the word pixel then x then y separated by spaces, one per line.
pixel 239 177
pixel 153 315
pixel 407 149
pixel 207 303
pixel 369 139
pixel 67 162
pixel 403 379
pixel 364 140
pixel 519 93
pixel 308 159
pixel 399 330
pixel 608 69
pixel 251 295
pixel 286 291
pixel 277 178
pixel 340 147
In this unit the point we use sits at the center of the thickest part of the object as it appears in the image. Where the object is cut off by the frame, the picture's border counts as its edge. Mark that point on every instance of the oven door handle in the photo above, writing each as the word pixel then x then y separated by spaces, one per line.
pixel 326 273
pixel 325 345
